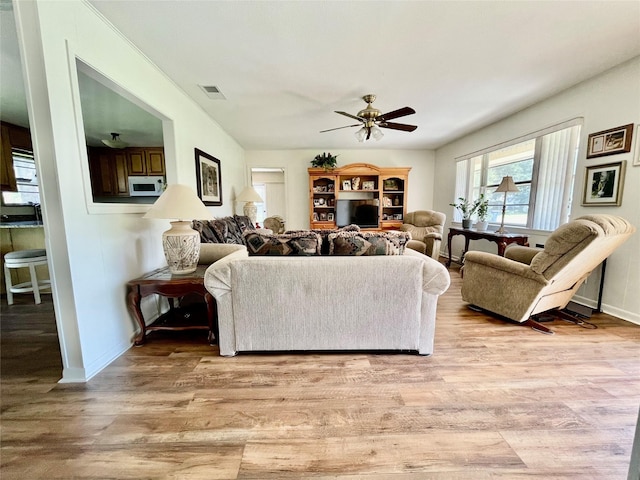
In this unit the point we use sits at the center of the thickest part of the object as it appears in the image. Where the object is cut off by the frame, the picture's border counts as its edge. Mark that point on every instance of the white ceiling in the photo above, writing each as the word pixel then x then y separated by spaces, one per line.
pixel 285 66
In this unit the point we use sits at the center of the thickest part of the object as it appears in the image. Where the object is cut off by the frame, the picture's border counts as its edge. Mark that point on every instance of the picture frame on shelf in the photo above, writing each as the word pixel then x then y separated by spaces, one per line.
pixel 315 217
pixel 209 178
pixel 346 185
pixel 330 217
pixel 368 185
pixel 604 184
pixel 323 217
pixel 391 184
pixel 610 142
pixel 330 187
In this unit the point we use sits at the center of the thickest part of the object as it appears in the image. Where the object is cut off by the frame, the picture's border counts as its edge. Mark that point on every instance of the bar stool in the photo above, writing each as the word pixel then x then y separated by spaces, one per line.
pixel 21 259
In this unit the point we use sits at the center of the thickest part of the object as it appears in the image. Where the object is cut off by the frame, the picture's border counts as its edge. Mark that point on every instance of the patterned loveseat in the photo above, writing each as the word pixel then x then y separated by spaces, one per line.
pixel 280 293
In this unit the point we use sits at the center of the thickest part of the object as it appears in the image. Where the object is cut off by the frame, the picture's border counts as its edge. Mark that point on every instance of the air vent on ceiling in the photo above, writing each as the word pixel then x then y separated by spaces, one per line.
pixel 213 92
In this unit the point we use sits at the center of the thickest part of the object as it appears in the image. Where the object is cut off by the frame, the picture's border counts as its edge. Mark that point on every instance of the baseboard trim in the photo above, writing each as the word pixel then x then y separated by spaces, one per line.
pixel 610 309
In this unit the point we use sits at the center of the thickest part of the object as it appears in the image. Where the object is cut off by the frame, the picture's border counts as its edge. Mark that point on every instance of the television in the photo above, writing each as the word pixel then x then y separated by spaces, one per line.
pixel 363 213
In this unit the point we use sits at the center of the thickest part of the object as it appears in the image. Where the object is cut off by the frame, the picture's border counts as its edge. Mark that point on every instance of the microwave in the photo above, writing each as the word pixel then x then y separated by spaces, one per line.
pixel 151 186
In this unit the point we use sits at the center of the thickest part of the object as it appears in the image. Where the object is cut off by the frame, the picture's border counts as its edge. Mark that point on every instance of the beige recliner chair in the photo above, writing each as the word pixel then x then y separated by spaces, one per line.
pixel 529 281
pixel 426 228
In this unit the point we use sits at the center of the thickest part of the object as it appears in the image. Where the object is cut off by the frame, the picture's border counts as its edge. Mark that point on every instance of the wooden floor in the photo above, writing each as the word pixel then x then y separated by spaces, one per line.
pixel 495 401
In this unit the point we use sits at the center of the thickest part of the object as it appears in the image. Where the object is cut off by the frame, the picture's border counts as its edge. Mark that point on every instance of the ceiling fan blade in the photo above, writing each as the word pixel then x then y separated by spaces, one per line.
pixel 350 116
pixel 338 128
pixel 401 112
pixel 398 126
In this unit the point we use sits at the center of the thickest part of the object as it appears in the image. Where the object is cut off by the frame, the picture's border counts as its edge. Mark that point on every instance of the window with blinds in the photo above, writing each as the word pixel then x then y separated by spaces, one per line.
pixel 28 192
pixel 543 168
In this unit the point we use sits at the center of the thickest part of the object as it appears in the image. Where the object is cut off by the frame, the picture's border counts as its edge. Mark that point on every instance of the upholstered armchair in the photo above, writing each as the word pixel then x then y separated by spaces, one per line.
pixel 426 228
pixel 529 281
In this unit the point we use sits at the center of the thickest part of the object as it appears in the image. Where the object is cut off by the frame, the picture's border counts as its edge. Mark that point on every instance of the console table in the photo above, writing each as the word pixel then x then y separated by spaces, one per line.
pixel 163 282
pixel 500 239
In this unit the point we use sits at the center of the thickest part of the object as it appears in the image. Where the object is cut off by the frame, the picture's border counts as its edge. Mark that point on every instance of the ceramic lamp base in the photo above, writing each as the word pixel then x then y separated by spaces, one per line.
pixel 251 210
pixel 181 245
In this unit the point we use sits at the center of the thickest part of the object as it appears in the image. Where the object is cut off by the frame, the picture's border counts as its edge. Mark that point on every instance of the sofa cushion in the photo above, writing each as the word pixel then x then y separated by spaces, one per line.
pixel 324 234
pixel 368 243
pixel 303 243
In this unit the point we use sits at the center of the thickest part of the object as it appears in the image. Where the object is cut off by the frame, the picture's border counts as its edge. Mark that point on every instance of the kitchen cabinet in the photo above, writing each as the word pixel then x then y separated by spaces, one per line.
pixel 11 136
pixel 108 170
pixel 145 161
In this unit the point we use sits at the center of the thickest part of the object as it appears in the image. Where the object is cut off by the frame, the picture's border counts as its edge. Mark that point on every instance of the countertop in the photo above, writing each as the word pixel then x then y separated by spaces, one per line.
pixel 21 224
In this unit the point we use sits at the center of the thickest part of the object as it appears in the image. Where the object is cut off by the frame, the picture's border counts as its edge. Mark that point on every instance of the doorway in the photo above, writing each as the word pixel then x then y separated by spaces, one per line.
pixel 270 183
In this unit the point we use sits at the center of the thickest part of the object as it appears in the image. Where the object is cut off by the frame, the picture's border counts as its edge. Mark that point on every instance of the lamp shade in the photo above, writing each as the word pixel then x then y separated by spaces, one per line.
pixel 249 194
pixel 179 202
pixel 507 185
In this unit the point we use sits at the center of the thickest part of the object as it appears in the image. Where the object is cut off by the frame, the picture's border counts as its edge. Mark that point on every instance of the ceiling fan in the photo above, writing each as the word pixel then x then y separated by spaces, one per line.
pixel 371 120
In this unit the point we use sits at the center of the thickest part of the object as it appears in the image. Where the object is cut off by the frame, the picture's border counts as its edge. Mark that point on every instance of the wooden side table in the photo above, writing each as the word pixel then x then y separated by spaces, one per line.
pixel 500 239
pixel 163 282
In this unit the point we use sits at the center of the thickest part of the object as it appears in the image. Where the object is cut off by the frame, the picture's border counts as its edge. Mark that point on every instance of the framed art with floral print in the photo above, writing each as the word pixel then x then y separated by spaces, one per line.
pixel 209 178
pixel 603 185
pixel 610 142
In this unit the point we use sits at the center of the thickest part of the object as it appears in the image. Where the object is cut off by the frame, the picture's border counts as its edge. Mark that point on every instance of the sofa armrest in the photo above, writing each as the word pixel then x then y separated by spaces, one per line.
pixel 212 252
pixel 503 264
pixel 521 254
pixel 436 279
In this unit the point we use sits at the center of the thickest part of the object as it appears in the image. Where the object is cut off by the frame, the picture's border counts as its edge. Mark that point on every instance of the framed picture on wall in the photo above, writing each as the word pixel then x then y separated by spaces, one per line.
pixel 209 178
pixel 603 185
pixel 610 142
pixel 636 155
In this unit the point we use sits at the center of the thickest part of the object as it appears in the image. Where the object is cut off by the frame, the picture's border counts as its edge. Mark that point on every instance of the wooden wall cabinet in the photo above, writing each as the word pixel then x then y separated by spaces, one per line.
pixel 108 170
pixel 145 161
pixel 11 136
pixel 386 188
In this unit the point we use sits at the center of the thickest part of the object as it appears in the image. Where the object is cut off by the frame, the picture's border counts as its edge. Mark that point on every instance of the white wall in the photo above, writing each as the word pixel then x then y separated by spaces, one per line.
pixel 93 256
pixel 296 163
pixel 607 101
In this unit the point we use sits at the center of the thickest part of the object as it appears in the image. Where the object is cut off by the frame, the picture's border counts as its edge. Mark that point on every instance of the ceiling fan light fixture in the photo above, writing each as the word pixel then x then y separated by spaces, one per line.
pixel 115 141
pixel 361 134
pixel 376 133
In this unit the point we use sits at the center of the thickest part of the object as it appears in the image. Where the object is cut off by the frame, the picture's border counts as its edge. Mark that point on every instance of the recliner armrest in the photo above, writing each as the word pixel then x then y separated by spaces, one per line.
pixel 435 235
pixel 521 254
pixel 507 265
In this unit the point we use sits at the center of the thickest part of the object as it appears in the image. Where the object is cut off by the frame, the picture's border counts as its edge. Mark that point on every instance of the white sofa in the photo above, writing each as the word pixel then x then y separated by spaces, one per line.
pixel 292 303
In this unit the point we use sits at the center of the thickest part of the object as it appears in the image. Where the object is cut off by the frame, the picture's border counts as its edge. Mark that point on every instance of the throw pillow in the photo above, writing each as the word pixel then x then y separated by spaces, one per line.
pixel 227 230
pixel 368 243
pixel 324 235
pixel 207 235
pixel 306 243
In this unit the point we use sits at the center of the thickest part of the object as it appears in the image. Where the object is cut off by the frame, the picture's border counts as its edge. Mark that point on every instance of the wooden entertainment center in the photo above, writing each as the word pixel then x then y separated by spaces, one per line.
pixel 360 193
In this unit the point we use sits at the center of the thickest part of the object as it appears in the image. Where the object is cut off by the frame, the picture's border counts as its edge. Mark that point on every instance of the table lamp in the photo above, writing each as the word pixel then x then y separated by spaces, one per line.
pixel 181 243
pixel 506 185
pixel 249 195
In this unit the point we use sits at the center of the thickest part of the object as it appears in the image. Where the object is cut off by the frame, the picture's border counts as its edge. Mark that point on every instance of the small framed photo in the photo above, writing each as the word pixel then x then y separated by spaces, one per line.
pixel 346 185
pixel 330 187
pixel 397 216
pixel 330 217
pixel 323 217
pixel 391 184
pixel 315 217
pixel 368 185
pixel 331 202
pixel 209 179
pixel 610 142
pixel 603 185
